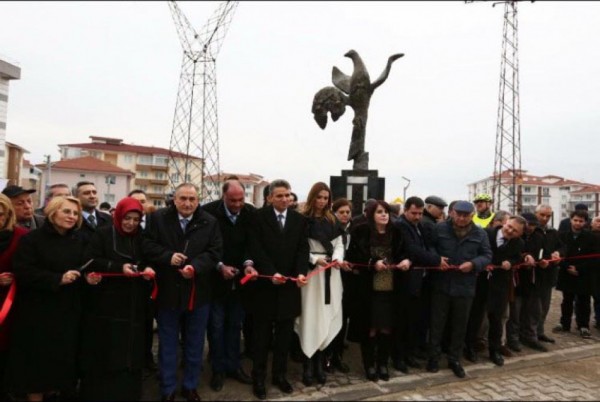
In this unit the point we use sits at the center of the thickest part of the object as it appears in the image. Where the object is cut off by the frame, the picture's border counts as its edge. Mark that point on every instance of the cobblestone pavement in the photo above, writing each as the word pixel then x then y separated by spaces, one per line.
pixel 570 370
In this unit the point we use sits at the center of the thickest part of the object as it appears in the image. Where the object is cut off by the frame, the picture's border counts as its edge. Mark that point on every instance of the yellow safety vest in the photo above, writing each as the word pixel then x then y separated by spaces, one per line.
pixel 483 222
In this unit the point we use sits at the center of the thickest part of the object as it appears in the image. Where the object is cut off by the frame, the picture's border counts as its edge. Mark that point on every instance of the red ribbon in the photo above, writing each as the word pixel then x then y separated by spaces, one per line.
pixel 10 297
pixel 133 275
pixel 314 272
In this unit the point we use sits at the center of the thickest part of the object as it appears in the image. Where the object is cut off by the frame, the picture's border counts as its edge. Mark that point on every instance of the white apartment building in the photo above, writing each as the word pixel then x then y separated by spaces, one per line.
pixel 8 72
pixel 560 193
pixel 150 165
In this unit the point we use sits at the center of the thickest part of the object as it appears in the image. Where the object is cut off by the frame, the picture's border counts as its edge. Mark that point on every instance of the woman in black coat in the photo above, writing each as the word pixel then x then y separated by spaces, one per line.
pixel 47 307
pixel 113 335
pixel 378 250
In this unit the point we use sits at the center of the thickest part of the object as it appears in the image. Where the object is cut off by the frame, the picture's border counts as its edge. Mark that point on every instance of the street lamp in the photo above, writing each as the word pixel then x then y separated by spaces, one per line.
pixel 405 188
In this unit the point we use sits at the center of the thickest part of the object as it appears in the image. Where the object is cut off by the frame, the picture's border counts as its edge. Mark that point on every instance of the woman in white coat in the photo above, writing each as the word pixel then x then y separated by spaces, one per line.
pixel 321 318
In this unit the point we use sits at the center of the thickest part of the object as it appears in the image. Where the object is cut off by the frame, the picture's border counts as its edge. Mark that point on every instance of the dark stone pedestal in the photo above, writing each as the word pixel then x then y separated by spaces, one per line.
pixel 357 186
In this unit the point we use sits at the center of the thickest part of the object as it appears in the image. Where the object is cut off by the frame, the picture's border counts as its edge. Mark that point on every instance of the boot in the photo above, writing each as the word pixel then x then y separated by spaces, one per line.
pixel 384 343
pixel 338 363
pixel 307 372
pixel 319 367
pixel 367 349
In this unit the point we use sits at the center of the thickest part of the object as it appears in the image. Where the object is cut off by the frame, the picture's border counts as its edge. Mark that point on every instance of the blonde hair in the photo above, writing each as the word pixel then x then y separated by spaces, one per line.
pixel 55 204
pixel 9 212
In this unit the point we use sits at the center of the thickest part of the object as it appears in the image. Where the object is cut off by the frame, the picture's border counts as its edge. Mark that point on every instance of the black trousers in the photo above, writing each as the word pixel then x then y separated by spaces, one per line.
pixel 407 336
pixel 281 331
pixel 458 308
pixel 491 298
pixel 583 310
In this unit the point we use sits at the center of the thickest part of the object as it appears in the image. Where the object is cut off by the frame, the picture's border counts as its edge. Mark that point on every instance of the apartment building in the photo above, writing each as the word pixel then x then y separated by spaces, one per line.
pixel 8 72
pixel 560 193
pixel 151 168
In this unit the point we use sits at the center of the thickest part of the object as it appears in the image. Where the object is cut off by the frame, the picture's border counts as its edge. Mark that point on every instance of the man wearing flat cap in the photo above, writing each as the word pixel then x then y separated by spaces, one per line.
pixel 465 251
pixel 23 206
pixel 434 210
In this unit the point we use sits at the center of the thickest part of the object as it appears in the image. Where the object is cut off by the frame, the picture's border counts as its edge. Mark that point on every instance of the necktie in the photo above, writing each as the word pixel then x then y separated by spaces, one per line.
pixel 184 222
pixel 92 221
pixel 280 219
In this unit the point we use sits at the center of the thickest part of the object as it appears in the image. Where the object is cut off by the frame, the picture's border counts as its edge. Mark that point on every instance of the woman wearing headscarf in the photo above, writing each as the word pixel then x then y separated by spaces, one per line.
pixel 47 307
pixel 113 335
pixel 10 235
pixel 378 250
pixel 321 318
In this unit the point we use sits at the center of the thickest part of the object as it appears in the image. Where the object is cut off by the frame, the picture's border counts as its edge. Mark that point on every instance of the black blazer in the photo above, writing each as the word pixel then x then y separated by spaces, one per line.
pixel 273 252
pixel 509 251
pixel 201 243
pixel 86 230
pixel 236 246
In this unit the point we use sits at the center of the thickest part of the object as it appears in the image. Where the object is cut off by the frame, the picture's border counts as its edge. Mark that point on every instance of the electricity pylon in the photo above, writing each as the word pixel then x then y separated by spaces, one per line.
pixel 194 142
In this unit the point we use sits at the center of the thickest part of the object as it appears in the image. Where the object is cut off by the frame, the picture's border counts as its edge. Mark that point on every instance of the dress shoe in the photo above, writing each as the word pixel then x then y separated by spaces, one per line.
pixel 337 363
pixel 383 373
pixel 168 398
pixel 535 345
pixel 372 374
pixel 471 355
pixel 546 338
pixel 283 385
pixel 400 365
pixel 506 351
pixel 496 358
pixel 433 366
pixel 190 395
pixel 412 362
pixel 259 390
pixel 456 368
pixel 216 382
pixel 241 376
pixel 559 328
pixel 514 346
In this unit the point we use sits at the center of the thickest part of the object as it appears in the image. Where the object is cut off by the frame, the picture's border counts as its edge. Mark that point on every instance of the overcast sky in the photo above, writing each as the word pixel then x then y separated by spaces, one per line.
pixel 112 69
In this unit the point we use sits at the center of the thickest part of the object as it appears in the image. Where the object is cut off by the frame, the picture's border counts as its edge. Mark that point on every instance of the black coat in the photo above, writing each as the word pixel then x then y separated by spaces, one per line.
pixel 547 277
pixel 113 335
pixel 236 247
pixel 359 252
pixel 582 245
pixel 47 315
pixel 102 219
pixel 418 240
pixel 500 279
pixel 275 252
pixel 533 245
pixel 201 243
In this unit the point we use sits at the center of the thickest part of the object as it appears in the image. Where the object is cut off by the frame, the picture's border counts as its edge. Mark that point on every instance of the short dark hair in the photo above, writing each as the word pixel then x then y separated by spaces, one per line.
pixel 104 205
pixel 136 191
pixel 294 196
pixel 416 201
pixel 340 202
pixel 580 213
pixel 279 183
pixel 81 184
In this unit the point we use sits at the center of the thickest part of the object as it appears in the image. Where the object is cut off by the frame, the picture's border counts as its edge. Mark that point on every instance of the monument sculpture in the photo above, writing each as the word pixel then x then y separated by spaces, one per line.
pixel 355 91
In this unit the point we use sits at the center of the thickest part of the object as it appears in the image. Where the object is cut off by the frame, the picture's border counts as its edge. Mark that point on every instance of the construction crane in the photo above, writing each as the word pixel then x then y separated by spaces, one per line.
pixel 194 145
pixel 507 177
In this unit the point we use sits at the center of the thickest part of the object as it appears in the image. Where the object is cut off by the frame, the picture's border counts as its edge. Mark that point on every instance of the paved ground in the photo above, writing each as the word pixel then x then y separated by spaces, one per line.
pixel 570 370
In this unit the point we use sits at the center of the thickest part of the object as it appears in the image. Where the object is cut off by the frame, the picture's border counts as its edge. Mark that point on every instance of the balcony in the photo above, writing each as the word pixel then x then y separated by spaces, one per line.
pixel 156 168
pixel 155 196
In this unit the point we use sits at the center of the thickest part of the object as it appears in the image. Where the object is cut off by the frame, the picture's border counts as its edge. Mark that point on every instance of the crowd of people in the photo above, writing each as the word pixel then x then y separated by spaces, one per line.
pixel 81 288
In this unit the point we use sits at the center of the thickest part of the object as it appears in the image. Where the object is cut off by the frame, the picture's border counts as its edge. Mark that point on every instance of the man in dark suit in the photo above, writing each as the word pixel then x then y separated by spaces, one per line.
pixel 226 310
pixel 492 290
pixel 93 218
pixel 23 206
pixel 184 243
pixel 280 249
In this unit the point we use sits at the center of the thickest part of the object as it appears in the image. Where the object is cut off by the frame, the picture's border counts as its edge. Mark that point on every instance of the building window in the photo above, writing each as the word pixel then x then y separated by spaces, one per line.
pixel 161 160
pixel 143 173
pixel 159 175
pixel 546 192
pixel 159 189
pixel 188 178
pixel 128 158
pixel 144 159
pixel 109 198
pixel 157 203
pixel 175 177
